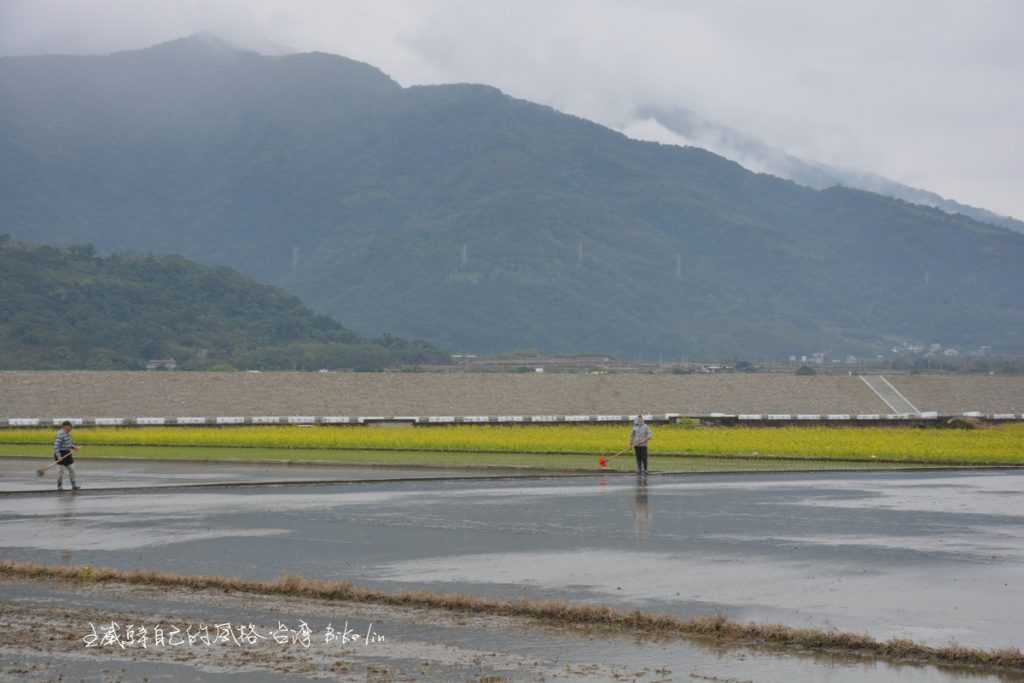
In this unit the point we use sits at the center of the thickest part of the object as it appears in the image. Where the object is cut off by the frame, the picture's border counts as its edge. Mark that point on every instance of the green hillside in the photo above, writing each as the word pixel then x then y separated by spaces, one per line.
pixel 69 308
pixel 477 221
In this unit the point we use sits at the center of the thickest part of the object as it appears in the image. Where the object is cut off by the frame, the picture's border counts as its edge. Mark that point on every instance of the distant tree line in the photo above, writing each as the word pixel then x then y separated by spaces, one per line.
pixel 71 308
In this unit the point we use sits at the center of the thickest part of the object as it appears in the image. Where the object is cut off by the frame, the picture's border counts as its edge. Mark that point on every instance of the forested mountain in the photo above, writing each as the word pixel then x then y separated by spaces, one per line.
pixel 69 308
pixel 457 214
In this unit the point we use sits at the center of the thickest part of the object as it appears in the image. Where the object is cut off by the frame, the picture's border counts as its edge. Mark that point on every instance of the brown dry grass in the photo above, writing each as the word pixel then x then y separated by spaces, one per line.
pixel 717 629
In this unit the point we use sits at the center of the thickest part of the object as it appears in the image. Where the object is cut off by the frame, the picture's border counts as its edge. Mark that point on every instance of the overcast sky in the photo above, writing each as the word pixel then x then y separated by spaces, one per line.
pixel 927 92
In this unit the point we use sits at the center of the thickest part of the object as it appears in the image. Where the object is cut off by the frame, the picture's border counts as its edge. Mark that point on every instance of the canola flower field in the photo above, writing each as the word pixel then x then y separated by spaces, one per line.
pixel 999 445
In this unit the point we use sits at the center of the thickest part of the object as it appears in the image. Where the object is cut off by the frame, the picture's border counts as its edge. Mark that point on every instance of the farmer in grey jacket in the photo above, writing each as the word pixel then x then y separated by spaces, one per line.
pixel 638 439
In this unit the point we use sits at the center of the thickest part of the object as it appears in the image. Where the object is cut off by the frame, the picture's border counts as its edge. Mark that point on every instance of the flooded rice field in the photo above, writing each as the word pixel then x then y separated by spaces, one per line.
pixel 931 556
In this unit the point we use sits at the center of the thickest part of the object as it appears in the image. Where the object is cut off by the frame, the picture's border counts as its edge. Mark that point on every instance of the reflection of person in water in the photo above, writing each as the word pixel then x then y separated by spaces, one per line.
pixel 641 510
pixel 69 524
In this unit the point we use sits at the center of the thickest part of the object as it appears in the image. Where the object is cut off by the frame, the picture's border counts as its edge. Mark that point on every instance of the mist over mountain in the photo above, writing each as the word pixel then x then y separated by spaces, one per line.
pixel 457 214
pixel 686 127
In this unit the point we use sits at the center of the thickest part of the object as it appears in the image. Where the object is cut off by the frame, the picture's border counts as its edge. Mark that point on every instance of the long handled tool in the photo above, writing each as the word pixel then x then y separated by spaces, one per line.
pixel 603 461
pixel 42 470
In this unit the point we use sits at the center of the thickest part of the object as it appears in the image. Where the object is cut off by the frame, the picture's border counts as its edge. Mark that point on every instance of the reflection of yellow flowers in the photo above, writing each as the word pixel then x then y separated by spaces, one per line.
pixel 998 445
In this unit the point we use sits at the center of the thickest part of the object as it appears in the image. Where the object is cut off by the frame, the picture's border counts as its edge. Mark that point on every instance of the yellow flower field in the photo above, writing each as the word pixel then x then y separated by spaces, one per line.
pixel 997 445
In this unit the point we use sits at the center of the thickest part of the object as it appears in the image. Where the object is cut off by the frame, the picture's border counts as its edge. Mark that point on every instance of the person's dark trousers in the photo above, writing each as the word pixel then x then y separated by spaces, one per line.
pixel 641 458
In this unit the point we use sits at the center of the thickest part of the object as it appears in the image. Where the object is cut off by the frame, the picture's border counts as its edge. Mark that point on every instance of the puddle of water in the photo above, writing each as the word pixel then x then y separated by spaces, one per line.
pixel 97 536
pixel 795 592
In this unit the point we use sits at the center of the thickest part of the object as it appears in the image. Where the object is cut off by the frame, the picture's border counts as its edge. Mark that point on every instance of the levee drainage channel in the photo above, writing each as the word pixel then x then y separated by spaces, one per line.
pixel 305 482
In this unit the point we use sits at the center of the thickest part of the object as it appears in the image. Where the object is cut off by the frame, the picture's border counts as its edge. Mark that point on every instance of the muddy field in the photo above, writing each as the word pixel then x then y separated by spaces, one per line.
pixel 404 644
pixel 126 394
pixel 48 635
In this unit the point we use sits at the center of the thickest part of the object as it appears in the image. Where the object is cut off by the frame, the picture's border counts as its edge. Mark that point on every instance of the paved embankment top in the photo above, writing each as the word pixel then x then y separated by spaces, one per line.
pixel 116 394
pixel 120 394
pixel 946 394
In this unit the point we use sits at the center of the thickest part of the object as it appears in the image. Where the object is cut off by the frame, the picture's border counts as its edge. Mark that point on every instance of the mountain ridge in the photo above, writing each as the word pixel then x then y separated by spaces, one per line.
pixel 480 222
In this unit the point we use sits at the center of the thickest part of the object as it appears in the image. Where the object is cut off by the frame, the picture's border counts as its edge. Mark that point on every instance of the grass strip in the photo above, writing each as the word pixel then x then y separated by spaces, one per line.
pixel 529 462
pixel 718 629
pixel 999 445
